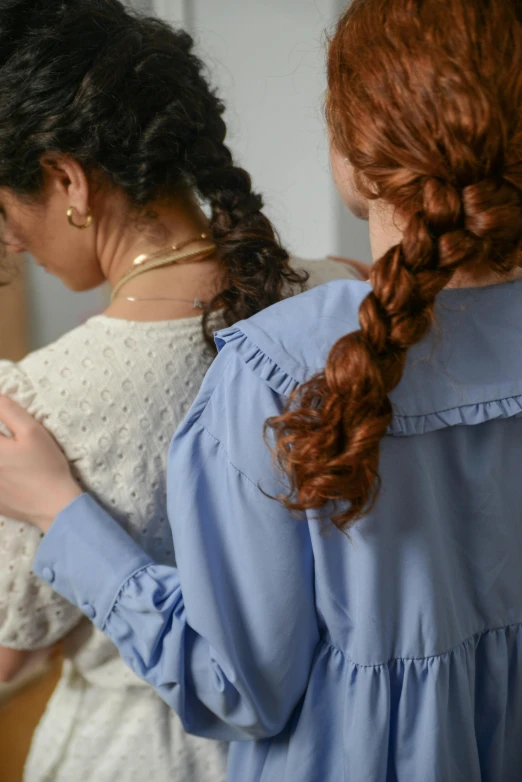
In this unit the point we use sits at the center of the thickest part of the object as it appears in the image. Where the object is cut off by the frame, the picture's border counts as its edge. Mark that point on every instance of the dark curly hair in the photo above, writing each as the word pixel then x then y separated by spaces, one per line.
pixel 127 98
pixel 425 100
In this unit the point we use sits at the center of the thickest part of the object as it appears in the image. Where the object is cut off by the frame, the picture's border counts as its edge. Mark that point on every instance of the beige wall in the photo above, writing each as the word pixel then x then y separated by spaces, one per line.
pixel 13 319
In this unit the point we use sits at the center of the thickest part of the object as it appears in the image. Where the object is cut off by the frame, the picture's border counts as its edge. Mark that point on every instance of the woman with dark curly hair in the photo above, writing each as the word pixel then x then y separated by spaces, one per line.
pixel 111 140
pixel 356 613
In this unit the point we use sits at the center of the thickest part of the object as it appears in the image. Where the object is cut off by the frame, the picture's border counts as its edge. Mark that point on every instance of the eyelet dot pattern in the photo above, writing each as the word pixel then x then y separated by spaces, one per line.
pixel 113 394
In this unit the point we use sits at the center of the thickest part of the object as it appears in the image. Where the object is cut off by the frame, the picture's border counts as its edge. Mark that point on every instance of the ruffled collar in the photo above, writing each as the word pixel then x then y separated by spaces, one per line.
pixel 467 371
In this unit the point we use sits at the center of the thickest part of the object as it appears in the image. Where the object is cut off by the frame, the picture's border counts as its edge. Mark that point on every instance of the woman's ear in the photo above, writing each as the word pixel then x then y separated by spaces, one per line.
pixel 65 175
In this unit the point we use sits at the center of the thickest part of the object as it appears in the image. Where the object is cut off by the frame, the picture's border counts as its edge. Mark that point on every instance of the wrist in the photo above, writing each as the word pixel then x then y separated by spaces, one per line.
pixel 64 496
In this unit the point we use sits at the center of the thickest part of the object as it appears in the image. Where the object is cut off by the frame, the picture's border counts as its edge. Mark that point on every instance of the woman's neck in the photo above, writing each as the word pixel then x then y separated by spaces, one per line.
pixel 167 292
pixel 386 230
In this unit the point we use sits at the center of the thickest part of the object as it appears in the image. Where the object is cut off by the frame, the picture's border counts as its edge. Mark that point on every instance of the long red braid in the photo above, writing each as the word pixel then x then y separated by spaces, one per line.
pixel 425 100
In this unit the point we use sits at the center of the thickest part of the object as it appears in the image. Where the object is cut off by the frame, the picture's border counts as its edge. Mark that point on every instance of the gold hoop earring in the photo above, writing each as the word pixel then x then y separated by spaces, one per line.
pixel 70 213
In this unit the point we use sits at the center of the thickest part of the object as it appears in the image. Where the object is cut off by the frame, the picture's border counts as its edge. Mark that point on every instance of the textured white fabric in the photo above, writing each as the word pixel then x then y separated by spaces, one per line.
pixel 112 392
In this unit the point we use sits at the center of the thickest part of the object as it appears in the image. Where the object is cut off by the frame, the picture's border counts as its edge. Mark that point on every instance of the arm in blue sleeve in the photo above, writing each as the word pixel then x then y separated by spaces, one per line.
pixel 227 639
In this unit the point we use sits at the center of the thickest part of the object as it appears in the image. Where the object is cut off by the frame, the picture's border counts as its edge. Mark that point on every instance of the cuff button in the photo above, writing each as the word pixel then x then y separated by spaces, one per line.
pixel 89 610
pixel 48 574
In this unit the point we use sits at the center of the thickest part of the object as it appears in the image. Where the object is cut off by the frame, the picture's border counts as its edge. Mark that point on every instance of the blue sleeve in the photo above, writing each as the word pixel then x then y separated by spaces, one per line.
pixel 227 639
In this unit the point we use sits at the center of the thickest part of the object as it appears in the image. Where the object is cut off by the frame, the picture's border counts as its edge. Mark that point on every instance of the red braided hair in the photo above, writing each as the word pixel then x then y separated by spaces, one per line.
pixel 425 100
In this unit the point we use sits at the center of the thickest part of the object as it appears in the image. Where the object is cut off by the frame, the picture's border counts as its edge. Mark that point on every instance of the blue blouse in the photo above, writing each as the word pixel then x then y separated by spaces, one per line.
pixel 392 655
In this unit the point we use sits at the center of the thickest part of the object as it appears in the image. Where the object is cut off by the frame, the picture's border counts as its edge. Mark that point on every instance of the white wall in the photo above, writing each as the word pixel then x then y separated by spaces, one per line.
pixel 146 6
pixel 174 11
pixel 268 59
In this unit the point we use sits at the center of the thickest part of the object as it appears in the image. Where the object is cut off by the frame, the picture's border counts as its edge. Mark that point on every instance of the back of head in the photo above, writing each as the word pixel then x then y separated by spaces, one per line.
pixel 425 101
pixel 128 99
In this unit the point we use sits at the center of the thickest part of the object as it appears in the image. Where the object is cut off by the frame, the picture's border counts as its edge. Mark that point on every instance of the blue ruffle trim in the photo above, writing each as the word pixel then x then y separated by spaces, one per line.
pixel 263 366
pixel 402 425
pixel 467 415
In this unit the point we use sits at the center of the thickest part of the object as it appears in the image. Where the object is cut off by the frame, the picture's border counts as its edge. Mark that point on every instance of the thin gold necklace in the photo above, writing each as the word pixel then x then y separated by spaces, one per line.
pixel 146 263
pixel 197 304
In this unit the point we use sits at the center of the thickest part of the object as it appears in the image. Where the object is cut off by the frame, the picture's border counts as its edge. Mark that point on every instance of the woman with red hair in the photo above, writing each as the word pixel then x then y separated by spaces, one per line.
pixel 354 607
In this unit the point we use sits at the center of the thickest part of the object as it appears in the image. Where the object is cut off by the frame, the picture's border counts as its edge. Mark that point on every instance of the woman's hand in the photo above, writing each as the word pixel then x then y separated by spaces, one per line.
pixel 35 478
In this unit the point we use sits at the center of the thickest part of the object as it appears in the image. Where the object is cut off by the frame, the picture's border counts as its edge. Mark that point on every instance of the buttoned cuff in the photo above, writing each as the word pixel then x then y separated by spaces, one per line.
pixel 87 558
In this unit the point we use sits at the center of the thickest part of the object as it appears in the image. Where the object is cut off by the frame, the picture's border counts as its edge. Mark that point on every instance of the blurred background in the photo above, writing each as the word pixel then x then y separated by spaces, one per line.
pixel 267 58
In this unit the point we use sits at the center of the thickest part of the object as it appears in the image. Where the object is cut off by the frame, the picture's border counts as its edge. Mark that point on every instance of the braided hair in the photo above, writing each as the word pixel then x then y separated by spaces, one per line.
pixel 425 100
pixel 128 99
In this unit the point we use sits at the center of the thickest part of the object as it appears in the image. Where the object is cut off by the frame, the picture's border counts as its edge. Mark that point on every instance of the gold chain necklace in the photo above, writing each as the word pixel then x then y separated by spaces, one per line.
pixel 146 263
pixel 197 304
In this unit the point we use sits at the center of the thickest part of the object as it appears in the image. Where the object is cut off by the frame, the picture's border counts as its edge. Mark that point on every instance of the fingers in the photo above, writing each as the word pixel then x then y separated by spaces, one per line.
pixel 14 417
